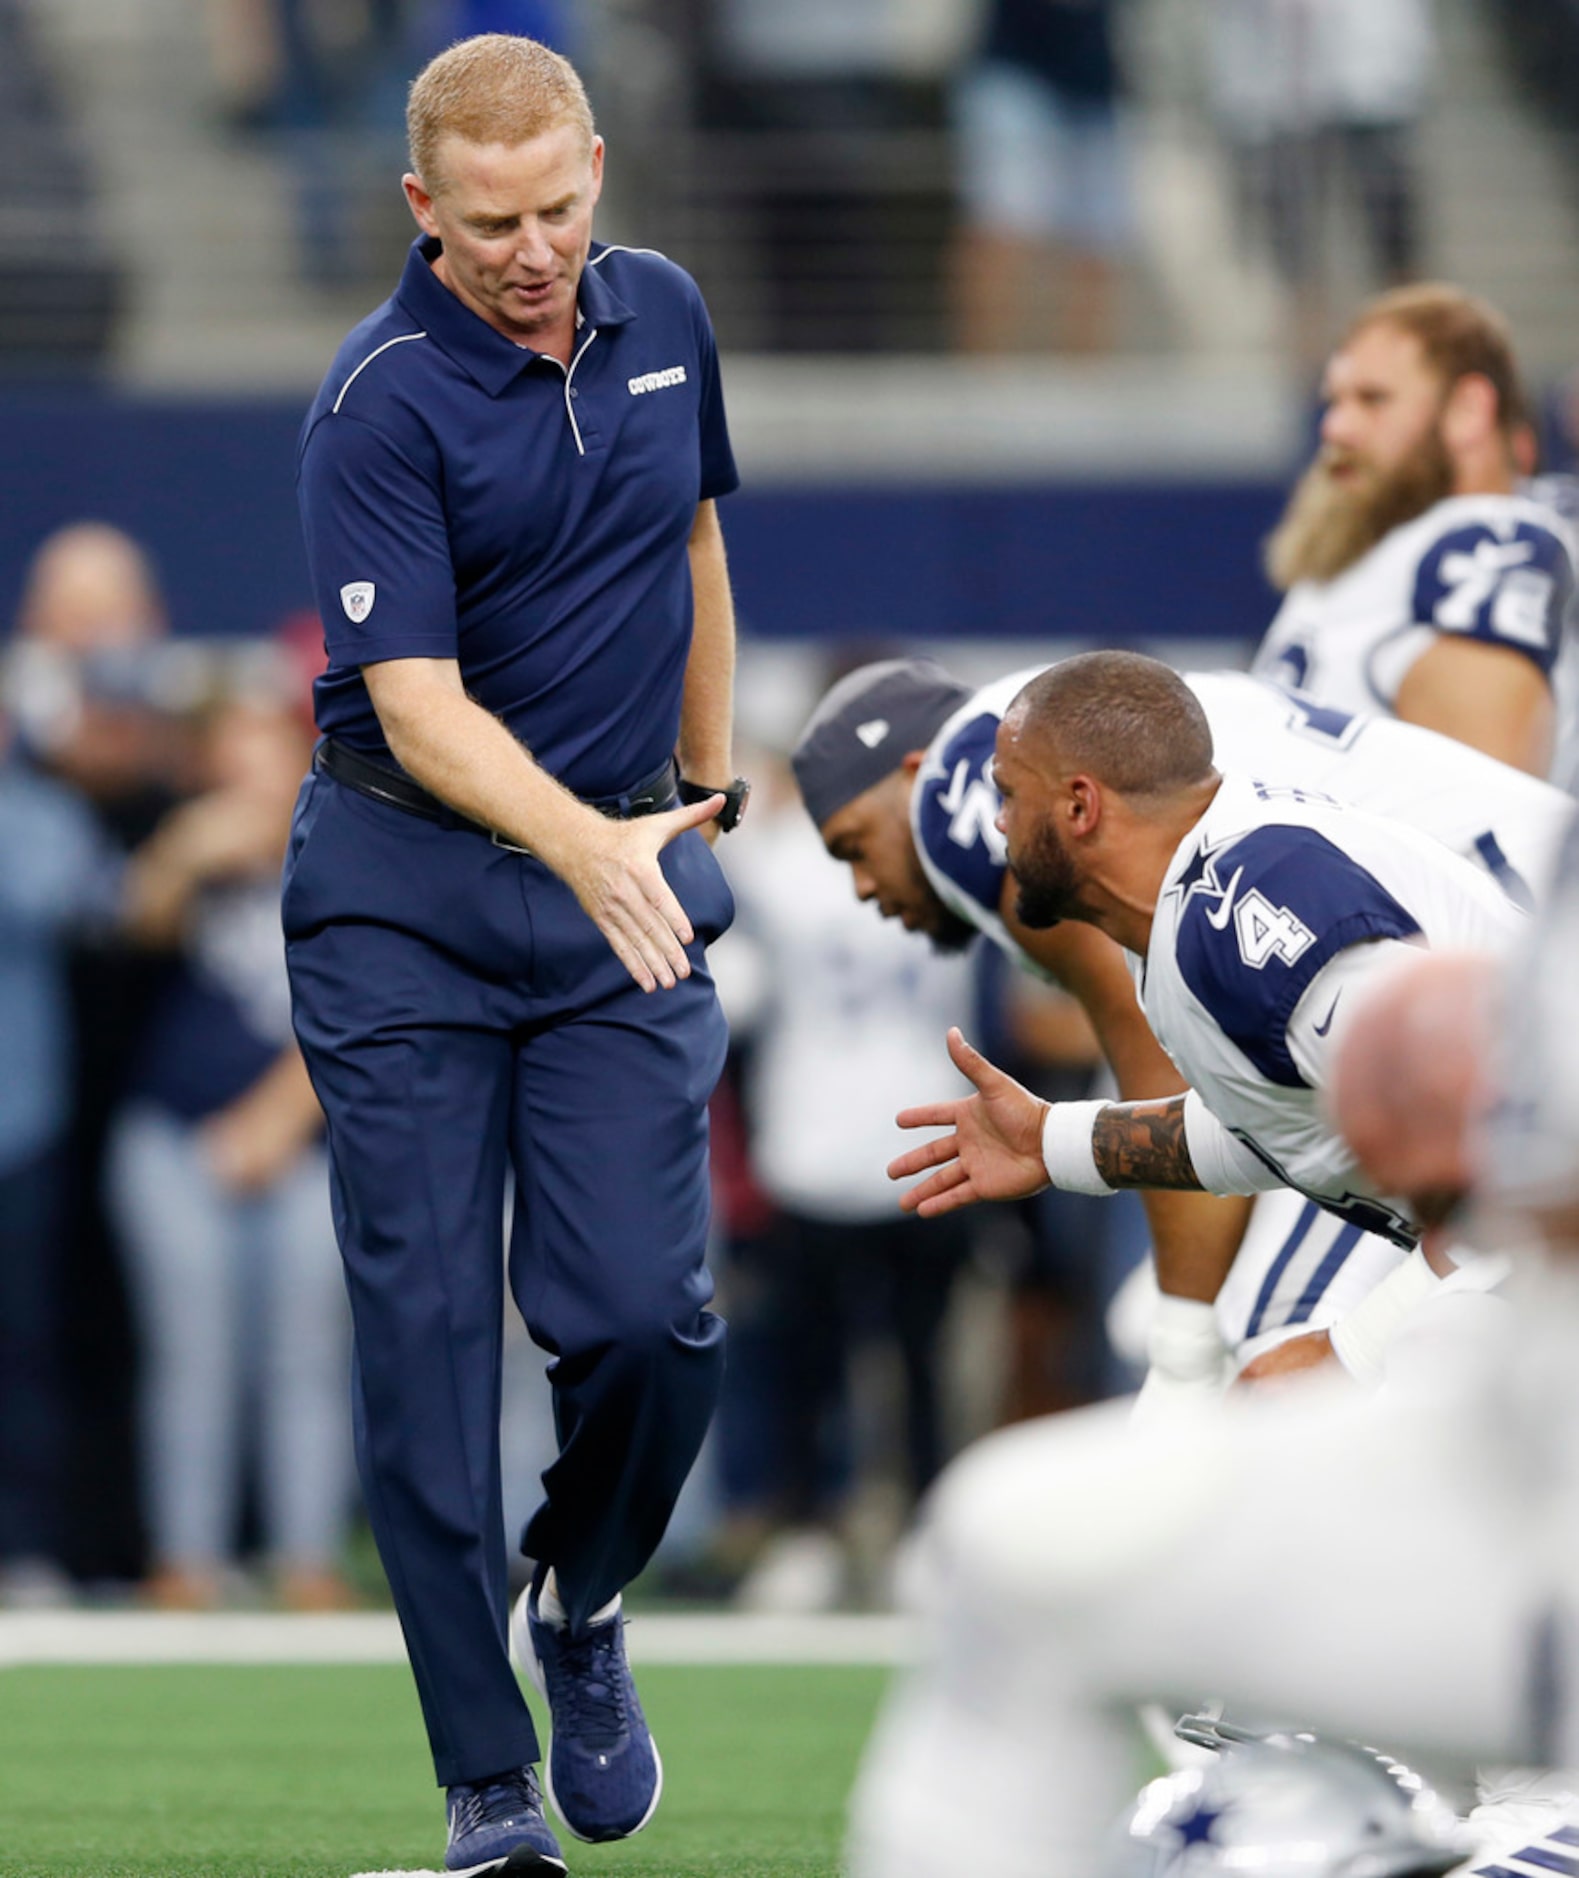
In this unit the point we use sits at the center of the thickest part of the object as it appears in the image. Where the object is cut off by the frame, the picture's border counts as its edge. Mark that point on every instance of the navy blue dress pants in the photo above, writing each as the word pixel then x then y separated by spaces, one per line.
pixel 460 1016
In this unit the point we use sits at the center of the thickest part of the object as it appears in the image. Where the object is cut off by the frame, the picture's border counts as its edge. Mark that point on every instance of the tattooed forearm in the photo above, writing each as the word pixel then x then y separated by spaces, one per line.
pixel 1141 1144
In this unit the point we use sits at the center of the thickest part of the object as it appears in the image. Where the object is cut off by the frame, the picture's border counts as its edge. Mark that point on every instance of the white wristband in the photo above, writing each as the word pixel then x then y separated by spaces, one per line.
pixel 1066 1147
pixel 1184 1342
pixel 1360 1340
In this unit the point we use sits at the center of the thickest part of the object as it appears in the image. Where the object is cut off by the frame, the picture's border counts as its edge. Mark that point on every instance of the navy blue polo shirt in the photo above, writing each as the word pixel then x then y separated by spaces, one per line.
pixel 467 498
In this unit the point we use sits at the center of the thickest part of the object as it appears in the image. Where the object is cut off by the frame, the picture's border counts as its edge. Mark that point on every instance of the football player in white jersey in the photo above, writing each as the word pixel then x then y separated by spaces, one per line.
pixel 1254 912
pixel 1396 1568
pixel 1417 580
pixel 913 812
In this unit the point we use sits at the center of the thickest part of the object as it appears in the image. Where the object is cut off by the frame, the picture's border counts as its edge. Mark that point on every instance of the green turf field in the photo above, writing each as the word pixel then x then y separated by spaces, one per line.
pixel 220 1772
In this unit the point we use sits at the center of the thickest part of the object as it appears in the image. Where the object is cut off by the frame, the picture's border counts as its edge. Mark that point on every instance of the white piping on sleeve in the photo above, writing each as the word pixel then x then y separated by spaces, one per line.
pixel 398 340
pixel 616 247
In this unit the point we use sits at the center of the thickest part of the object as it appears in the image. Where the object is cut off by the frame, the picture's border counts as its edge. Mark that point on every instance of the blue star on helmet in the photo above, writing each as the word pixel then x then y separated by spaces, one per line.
pixel 1195 1828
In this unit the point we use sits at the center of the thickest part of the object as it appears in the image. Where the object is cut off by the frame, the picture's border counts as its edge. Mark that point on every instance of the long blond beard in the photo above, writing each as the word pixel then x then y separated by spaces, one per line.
pixel 1328 525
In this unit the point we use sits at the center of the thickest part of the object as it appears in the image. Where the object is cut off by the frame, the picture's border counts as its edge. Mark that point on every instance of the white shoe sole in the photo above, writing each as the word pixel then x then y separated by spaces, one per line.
pixel 587 1838
pixel 512 1862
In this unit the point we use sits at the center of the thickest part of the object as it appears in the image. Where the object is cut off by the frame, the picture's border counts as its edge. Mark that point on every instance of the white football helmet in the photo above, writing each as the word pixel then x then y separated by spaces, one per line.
pixel 1285 1806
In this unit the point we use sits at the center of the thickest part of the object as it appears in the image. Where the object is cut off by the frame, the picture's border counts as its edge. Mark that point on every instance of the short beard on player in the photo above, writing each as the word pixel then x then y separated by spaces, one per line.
pixel 1049 885
pixel 1329 524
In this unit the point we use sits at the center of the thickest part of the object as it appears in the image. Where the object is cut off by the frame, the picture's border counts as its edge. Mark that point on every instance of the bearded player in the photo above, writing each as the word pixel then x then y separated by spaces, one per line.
pixel 1418 580
pixel 895 767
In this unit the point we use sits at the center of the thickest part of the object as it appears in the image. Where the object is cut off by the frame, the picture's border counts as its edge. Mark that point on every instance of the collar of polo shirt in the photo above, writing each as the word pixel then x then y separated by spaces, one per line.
pixel 484 354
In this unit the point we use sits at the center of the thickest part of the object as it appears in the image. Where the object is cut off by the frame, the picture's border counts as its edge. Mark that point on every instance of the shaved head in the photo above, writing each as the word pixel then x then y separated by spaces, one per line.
pixel 1127 720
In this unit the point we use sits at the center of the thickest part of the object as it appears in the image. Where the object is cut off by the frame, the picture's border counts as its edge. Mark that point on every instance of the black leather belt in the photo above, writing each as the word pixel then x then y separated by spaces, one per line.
pixel 651 796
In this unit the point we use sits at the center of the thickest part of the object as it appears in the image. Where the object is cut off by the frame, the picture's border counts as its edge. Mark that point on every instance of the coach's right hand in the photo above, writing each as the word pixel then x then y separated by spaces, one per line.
pixel 615 875
pixel 469 759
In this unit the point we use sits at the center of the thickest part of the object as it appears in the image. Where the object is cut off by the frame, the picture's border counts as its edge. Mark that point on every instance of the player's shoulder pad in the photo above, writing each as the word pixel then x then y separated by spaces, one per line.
pixel 1261 913
pixel 1499 570
pixel 956 810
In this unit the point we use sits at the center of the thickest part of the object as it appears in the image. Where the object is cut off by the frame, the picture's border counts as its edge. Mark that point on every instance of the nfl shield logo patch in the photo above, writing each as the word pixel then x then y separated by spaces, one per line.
pixel 357 599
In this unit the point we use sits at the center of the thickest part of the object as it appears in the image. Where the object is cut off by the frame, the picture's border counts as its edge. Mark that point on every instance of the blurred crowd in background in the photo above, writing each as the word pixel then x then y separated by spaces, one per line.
pixel 856 176
pixel 868 177
pixel 902 174
pixel 173 1334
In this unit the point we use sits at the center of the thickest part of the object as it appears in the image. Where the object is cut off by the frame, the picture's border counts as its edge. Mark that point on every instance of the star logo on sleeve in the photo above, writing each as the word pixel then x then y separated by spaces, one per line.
pixel 1200 877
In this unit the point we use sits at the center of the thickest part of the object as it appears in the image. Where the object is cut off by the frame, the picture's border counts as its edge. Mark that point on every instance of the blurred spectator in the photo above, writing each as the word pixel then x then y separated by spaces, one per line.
pixel 1044 194
pixel 546 20
pixel 826 126
pixel 1541 41
pixel 843 1017
pixel 53 875
pixel 284 61
pixel 336 99
pixel 90 617
pixel 220 1187
pixel 245 53
pixel 339 110
pixel 91 627
pixel 1314 97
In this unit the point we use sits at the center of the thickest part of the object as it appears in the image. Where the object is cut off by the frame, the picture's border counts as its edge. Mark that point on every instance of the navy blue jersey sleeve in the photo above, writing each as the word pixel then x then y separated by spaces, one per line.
pixel 958 813
pixel 1261 916
pixel 377 545
pixel 1508 587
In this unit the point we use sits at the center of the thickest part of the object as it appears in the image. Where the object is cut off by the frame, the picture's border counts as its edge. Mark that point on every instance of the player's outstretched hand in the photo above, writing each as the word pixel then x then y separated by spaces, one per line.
pixel 616 877
pixel 994 1149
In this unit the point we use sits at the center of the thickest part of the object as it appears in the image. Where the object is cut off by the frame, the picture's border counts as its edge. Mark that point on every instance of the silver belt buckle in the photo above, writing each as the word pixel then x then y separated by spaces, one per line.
pixel 510 847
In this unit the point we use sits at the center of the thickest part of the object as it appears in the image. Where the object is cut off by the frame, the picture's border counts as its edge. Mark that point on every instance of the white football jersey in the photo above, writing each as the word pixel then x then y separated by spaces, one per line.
pixel 1526 1825
pixel 1275 907
pixel 1510 823
pixel 1507 822
pixel 1499 569
pixel 1300 1267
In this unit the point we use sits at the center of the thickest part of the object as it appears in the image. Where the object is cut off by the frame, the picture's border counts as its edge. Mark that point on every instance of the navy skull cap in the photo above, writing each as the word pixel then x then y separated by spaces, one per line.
pixel 866 726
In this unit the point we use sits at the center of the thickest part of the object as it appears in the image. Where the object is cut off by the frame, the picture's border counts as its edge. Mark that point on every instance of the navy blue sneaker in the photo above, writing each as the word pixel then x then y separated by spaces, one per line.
pixel 497 1825
pixel 603 1773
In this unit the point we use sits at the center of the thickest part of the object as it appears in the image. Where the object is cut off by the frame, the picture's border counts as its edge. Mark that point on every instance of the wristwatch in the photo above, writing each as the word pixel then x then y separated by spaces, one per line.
pixel 735 797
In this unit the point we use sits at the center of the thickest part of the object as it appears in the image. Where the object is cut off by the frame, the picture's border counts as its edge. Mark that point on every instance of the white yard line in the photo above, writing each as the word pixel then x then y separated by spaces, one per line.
pixel 374 1637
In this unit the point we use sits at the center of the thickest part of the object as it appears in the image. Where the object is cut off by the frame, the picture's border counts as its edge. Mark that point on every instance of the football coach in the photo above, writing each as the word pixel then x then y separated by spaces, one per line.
pixel 497 897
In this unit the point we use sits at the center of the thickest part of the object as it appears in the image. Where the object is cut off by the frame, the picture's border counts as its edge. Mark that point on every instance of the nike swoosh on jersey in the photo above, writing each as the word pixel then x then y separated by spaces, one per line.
pixel 1218 917
pixel 1325 1025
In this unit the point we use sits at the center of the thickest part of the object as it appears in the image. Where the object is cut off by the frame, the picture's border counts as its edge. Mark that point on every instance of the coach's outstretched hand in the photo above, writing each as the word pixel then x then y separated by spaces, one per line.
pixel 994 1151
pixel 616 877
